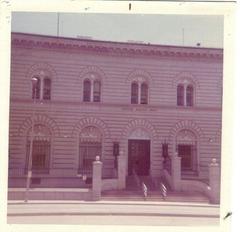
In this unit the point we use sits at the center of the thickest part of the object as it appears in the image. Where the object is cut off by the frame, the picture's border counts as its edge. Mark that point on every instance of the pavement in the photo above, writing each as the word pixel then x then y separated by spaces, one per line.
pixel 180 209
pixel 114 208
pixel 138 213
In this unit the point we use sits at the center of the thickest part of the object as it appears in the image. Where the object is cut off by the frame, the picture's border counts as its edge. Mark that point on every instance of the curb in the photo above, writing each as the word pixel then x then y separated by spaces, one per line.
pixel 113 214
pixel 144 203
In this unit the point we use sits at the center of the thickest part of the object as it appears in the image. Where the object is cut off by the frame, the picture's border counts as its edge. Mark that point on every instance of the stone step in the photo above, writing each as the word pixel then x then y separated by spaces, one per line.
pixel 154 196
pixel 131 183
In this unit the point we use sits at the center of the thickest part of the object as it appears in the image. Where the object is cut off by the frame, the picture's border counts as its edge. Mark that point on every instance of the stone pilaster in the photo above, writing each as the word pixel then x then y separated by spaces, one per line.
pixel 121 172
pixel 176 171
pixel 97 180
pixel 214 182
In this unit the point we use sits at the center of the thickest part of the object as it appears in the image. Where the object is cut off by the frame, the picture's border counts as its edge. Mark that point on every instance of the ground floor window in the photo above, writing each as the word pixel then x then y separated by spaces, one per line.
pixel 87 154
pixel 187 150
pixel 41 148
pixel 40 154
pixel 90 146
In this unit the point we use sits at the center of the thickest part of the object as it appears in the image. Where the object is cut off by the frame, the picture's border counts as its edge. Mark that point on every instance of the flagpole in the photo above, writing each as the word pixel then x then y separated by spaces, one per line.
pixel 58 24
pixel 183 35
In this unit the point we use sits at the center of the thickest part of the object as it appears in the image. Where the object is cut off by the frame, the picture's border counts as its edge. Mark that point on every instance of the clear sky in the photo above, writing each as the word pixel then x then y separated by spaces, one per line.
pixel 155 29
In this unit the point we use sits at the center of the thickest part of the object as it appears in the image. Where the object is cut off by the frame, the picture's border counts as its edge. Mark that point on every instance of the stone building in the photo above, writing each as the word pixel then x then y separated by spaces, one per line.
pixel 93 98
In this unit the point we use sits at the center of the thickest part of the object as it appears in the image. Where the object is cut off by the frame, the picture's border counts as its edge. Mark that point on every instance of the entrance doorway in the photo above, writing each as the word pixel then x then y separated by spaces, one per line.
pixel 186 154
pixel 139 157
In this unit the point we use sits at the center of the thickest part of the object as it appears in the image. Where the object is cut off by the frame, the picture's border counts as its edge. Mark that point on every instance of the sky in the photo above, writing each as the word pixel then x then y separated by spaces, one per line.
pixel 180 30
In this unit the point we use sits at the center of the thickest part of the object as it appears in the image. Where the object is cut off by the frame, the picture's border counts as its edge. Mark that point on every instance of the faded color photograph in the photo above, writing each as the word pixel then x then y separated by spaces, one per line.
pixel 115 119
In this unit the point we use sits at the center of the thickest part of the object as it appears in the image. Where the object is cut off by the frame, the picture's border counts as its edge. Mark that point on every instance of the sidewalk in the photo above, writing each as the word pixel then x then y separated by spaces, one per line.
pixel 136 208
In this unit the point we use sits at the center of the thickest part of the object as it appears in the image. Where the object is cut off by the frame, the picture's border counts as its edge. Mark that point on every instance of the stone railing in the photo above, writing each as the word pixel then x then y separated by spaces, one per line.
pixel 212 190
pixel 167 164
pixel 99 184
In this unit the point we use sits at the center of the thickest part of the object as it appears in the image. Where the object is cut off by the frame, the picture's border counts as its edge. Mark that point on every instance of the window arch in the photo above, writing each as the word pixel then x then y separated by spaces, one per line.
pixel 41 148
pixel 90 146
pixel 185 94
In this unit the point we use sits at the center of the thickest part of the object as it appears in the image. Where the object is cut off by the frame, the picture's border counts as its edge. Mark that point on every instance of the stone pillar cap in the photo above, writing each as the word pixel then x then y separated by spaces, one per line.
pixel 214 162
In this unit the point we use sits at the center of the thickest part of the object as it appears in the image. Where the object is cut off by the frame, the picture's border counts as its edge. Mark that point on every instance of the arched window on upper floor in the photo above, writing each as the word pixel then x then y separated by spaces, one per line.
pixel 36 87
pixel 189 95
pixel 180 95
pixel 139 93
pixel 144 93
pixel 86 90
pixel 47 82
pixel 134 93
pixel 185 94
pixel 96 91
pixel 92 90
pixel 41 87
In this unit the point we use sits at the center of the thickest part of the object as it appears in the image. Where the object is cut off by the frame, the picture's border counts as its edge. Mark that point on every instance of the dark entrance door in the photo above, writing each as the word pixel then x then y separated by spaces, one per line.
pixel 185 151
pixel 139 157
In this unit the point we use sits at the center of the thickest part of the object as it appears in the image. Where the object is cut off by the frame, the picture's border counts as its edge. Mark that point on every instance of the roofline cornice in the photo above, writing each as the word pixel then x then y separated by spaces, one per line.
pixel 120 48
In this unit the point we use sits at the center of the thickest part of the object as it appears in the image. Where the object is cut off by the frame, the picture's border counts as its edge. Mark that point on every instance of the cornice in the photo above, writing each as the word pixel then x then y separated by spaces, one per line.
pixel 107 47
pixel 120 106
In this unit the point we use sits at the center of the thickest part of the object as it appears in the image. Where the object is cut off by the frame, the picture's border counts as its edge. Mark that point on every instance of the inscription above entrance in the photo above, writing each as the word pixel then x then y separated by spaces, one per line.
pixel 139 133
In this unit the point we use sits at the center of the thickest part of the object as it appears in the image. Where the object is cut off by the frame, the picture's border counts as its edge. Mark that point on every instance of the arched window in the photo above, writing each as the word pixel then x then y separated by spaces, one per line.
pixel 134 93
pixel 189 95
pixel 86 90
pixel 41 90
pixel 180 95
pixel 36 88
pixel 187 150
pixel 41 148
pixel 185 94
pixel 96 91
pixel 144 93
pixel 47 89
pixel 90 146
pixel 92 90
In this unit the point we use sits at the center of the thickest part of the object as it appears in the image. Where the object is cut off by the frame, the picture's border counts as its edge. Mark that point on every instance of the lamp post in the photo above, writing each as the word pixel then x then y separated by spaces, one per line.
pixel 29 165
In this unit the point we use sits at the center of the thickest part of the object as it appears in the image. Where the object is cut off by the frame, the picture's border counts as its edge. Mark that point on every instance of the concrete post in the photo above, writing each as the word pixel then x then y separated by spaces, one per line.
pixel 121 172
pixel 214 182
pixel 176 172
pixel 97 179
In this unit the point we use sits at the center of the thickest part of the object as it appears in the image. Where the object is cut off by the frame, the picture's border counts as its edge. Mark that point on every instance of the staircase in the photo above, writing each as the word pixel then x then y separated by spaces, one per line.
pixel 132 184
pixel 153 196
pixel 133 192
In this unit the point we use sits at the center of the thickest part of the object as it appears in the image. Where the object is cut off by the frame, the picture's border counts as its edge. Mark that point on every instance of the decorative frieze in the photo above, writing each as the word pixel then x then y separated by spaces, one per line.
pixel 187 125
pixel 39 119
pixel 90 121
pixel 141 124
pixel 120 48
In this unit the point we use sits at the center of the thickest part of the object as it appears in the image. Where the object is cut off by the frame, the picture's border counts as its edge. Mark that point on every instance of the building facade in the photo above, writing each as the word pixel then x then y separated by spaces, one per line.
pixel 97 98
